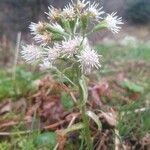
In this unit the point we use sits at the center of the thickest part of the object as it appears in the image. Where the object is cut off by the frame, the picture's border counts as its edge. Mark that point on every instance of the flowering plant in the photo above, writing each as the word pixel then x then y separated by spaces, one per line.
pixel 63 40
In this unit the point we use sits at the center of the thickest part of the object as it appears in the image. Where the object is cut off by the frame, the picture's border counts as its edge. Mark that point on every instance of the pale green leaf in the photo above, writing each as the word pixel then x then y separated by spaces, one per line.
pixel 72 128
pixel 46 140
pixel 66 100
pixel 83 86
pixel 132 86
pixel 95 118
pixel 100 26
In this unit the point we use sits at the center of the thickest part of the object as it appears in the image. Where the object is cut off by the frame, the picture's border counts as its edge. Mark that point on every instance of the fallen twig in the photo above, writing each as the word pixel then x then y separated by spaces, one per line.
pixel 14 133
pixel 54 126
pixel 11 123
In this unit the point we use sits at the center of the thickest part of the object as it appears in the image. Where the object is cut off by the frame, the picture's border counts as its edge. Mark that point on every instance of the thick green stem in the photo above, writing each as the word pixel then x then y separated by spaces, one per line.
pixel 86 130
pixel 87 134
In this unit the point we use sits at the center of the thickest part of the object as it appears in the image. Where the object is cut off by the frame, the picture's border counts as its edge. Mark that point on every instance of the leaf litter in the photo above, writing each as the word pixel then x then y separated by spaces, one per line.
pixel 106 98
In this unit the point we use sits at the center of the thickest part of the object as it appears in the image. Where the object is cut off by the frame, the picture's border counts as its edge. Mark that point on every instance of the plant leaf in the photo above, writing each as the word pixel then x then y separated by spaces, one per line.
pixel 132 86
pixel 84 23
pixel 66 101
pixel 46 139
pixel 83 86
pixel 74 127
pixel 101 25
pixel 95 118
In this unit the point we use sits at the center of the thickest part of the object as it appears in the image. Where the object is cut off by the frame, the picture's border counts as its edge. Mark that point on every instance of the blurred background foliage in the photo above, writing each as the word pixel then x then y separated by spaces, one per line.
pixel 138 11
pixel 16 15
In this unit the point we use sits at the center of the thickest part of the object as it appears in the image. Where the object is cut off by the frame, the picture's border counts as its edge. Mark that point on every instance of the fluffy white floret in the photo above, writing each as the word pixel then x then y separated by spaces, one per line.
pixel 53 13
pixel 82 3
pixel 52 53
pixel 70 46
pixel 36 28
pixel 31 53
pixel 95 11
pixel 68 12
pixel 40 35
pixel 43 38
pixel 89 60
pixel 113 22
pixel 46 64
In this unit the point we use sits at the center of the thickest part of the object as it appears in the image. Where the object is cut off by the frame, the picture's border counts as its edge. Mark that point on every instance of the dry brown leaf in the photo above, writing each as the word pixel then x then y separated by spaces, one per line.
pixel 97 91
pixel 110 117
pixel 7 107
pixel 19 106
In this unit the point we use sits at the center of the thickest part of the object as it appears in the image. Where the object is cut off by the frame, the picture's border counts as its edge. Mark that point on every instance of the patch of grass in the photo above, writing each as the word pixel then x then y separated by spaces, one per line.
pixel 33 141
pixel 21 86
pixel 133 63
pixel 133 123
pixel 119 53
pixel 5 145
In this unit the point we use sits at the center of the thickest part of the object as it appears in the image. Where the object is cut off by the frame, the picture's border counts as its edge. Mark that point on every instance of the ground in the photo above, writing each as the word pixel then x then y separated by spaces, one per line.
pixel 35 109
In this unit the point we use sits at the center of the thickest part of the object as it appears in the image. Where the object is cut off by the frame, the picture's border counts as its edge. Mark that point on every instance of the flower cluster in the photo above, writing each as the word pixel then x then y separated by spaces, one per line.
pixel 65 37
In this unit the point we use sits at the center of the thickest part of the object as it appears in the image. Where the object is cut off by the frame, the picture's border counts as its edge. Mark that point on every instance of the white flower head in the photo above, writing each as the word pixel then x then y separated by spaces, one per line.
pixel 31 53
pixel 70 46
pixel 52 53
pixel 68 12
pixel 95 11
pixel 81 4
pixel 40 33
pixel 46 64
pixel 36 28
pixel 89 60
pixel 53 14
pixel 43 38
pixel 113 21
